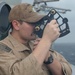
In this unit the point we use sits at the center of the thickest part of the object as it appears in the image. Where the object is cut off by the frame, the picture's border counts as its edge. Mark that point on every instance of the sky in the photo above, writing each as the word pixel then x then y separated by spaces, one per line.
pixel 67 4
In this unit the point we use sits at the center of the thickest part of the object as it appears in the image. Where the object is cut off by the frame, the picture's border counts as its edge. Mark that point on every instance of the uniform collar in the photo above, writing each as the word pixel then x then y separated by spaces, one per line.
pixel 17 45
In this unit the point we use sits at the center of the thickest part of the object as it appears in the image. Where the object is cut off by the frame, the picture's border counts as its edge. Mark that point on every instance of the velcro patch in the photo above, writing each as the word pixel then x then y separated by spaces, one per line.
pixel 4 47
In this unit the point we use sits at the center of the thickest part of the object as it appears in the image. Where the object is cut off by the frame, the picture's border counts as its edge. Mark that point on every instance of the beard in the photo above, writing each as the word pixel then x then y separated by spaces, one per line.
pixel 29 37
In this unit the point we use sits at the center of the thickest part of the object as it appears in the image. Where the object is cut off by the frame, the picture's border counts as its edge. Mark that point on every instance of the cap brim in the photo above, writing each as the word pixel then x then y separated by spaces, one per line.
pixel 35 18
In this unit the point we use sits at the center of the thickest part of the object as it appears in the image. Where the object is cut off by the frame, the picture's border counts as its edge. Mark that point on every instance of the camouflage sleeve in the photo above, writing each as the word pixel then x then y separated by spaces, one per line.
pixel 66 66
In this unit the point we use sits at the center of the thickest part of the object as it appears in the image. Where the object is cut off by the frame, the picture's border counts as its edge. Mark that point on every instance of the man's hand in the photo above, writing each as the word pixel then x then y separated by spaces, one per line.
pixel 51 31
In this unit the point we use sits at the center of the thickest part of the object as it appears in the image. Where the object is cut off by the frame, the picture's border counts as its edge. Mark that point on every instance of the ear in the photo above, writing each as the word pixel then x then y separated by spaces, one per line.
pixel 15 24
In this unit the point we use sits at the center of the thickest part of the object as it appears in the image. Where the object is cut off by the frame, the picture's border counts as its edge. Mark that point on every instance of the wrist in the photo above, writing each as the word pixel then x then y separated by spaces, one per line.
pixel 47 39
pixel 48 55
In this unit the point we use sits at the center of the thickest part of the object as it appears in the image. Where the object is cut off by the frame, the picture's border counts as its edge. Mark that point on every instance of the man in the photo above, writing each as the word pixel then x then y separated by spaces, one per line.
pixel 19 55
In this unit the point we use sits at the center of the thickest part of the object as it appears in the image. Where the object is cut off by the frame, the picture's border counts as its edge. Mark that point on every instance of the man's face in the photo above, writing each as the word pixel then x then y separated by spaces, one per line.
pixel 26 31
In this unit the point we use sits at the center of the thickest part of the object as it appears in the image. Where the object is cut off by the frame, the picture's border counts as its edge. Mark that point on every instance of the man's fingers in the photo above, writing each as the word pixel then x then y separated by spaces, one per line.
pixel 53 22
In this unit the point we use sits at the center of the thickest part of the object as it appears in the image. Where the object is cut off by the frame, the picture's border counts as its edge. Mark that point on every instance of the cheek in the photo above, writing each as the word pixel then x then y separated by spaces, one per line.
pixel 26 30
